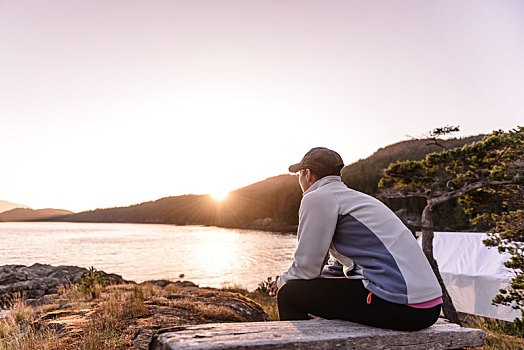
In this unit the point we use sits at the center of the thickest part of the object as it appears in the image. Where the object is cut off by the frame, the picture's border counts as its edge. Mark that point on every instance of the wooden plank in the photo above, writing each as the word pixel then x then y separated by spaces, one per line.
pixel 316 334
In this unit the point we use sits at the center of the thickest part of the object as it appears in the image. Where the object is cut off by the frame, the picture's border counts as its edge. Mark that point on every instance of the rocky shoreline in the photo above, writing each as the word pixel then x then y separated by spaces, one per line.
pixel 145 308
pixel 38 280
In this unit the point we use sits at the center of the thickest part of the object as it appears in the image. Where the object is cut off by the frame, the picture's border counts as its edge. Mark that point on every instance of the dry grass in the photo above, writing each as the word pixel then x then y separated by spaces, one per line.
pixel 17 332
pixel 106 327
pixel 234 288
pixel 106 321
pixel 31 338
pixel 74 293
pixel 150 289
pixel 499 334
pixel 208 311
pixel 172 289
pixel 71 292
pixel 19 313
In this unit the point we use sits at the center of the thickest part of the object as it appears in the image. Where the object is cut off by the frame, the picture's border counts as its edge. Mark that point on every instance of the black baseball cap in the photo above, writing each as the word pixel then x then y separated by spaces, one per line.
pixel 321 161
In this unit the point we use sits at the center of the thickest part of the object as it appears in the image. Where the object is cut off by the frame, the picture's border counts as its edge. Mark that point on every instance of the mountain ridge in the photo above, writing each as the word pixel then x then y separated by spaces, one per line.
pixel 28 214
pixel 5 206
pixel 268 204
pixel 272 204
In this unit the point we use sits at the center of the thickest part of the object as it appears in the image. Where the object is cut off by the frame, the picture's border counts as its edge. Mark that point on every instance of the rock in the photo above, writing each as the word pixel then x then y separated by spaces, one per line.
pixel 318 334
pixel 175 296
pixel 62 306
pixel 8 278
pixel 160 283
pixel 38 280
pixel 185 284
pixel 193 305
pixel 46 299
pixel 63 321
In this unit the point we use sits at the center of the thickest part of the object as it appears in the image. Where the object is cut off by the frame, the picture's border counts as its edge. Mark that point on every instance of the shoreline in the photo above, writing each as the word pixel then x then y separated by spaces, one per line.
pixel 274 228
pixel 124 315
pixel 33 282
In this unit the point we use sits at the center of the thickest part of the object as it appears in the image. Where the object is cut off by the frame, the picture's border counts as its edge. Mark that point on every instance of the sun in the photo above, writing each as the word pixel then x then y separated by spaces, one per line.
pixel 219 195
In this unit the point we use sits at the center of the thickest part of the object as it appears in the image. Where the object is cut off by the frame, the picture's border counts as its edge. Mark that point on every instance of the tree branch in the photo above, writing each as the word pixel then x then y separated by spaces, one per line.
pixel 397 193
pixel 465 190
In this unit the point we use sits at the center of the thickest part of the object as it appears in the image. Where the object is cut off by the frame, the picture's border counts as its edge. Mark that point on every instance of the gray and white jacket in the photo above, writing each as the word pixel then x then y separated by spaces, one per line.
pixel 366 238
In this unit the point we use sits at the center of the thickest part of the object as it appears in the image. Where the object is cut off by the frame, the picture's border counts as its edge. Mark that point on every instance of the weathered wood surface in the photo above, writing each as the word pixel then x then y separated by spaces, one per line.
pixel 317 334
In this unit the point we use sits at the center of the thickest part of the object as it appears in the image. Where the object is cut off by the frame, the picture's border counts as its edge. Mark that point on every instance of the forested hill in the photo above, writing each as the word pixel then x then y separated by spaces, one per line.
pixel 365 174
pixel 271 204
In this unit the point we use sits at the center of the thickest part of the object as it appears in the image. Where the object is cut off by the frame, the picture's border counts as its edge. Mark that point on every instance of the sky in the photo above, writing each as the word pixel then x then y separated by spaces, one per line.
pixel 113 102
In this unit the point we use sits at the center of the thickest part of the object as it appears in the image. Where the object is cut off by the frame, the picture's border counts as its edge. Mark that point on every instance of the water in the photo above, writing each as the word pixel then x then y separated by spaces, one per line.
pixel 208 256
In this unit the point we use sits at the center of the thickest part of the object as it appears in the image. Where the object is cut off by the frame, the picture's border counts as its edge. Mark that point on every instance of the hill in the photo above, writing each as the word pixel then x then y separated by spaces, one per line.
pixel 365 174
pixel 5 206
pixel 27 214
pixel 272 204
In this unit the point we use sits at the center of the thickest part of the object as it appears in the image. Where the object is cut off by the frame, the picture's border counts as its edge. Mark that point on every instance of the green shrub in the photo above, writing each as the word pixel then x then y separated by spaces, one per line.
pixel 92 283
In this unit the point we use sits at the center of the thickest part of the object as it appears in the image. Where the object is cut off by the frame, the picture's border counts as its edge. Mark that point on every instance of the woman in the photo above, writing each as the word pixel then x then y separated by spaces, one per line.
pixel 376 273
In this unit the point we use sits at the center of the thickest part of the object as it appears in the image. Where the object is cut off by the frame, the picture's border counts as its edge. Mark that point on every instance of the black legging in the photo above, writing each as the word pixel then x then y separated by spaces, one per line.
pixel 342 298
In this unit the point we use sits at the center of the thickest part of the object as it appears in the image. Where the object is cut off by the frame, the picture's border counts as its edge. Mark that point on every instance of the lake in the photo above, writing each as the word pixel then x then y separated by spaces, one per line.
pixel 208 256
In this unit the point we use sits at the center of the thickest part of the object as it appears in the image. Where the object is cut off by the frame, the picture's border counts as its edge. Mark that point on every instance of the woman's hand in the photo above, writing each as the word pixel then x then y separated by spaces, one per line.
pixel 273 288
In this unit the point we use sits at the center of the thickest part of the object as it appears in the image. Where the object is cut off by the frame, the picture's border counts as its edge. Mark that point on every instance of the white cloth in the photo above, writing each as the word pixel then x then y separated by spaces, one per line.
pixel 473 273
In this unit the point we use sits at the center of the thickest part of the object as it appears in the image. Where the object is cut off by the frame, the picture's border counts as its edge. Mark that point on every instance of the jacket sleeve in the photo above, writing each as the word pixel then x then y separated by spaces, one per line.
pixel 318 217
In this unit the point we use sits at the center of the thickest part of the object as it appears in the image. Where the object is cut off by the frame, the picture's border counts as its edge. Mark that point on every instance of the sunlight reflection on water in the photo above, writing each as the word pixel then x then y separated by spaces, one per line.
pixel 208 256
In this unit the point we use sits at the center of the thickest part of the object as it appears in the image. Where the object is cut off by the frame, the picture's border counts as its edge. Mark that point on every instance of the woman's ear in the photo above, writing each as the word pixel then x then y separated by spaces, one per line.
pixel 310 177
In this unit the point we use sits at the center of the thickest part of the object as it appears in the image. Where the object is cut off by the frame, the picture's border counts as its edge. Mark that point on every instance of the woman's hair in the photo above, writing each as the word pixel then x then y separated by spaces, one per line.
pixel 318 175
